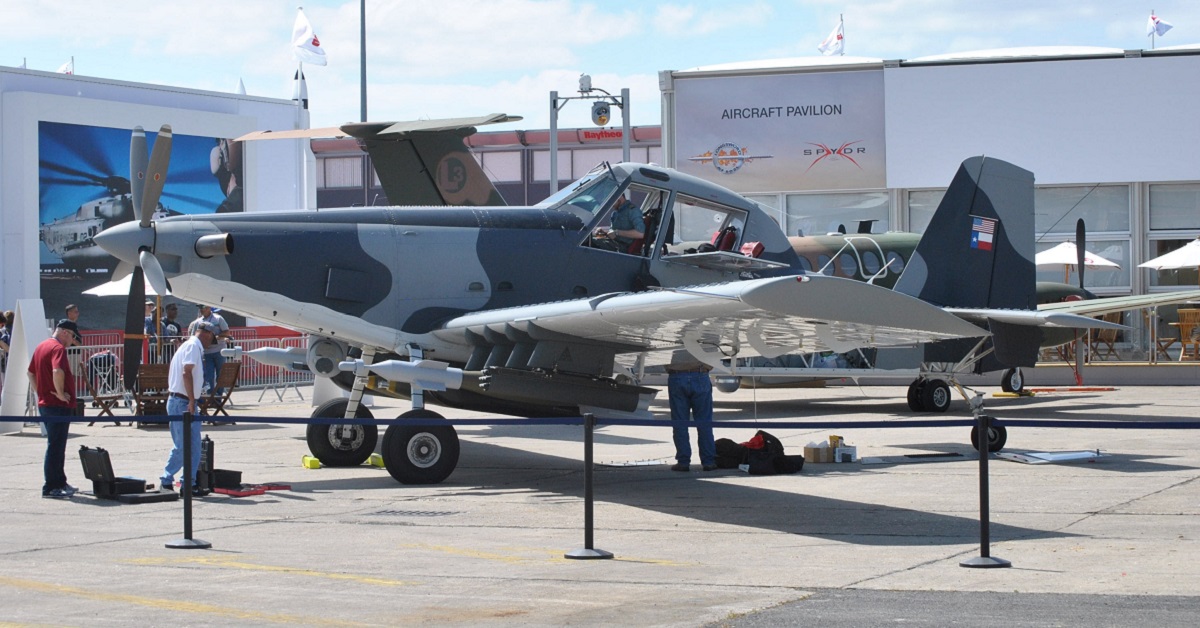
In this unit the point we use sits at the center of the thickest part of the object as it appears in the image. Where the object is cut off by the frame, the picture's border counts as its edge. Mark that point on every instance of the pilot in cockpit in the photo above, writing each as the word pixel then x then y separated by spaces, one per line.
pixel 627 227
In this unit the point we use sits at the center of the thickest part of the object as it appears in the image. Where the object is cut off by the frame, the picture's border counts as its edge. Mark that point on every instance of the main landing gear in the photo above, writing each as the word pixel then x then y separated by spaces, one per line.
pixel 414 452
pixel 928 395
pixel 933 395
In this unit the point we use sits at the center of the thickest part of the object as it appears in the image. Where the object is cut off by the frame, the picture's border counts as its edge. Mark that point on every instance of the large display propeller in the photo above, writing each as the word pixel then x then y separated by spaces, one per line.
pixel 147 175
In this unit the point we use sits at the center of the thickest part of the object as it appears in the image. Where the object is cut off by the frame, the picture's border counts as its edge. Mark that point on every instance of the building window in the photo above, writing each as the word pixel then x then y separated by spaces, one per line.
pixel 1174 221
pixel 921 206
pixel 502 167
pixel 1103 208
pixel 818 214
pixel 340 172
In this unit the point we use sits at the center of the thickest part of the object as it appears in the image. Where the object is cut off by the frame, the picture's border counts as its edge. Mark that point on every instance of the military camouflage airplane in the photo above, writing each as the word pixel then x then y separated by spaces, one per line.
pixel 516 310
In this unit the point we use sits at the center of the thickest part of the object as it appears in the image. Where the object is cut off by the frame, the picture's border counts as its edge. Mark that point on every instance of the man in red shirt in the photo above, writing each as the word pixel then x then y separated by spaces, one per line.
pixel 50 370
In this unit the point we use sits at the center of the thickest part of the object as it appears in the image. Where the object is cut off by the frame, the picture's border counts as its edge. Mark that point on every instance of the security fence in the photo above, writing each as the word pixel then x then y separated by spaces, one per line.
pixel 99 368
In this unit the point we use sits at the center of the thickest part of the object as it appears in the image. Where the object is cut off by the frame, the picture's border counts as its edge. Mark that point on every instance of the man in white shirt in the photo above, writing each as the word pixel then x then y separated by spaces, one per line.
pixel 185 380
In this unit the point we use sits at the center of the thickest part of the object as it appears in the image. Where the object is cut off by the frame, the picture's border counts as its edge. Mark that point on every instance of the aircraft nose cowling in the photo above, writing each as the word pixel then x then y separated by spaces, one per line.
pixel 125 240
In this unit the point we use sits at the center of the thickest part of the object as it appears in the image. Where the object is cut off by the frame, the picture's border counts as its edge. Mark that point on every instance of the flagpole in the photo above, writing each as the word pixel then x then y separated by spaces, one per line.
pixel 1152 30
pixel 842 25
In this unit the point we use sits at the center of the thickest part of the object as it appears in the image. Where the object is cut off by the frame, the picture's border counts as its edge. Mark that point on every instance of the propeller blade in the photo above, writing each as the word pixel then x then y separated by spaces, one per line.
pixel 154 273
pixel 137 169
pixel 1081 247
pixel 135 328
pixel 156 174
pixel 121 271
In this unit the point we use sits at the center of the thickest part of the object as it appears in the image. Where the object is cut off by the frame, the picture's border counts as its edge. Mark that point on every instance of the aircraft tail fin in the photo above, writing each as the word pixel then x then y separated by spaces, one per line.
pixel 978 249
pixel 427 162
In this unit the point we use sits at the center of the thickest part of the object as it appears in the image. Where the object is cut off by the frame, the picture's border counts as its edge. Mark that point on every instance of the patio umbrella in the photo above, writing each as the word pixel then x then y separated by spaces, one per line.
pixel 1187 256
pixel 1066 253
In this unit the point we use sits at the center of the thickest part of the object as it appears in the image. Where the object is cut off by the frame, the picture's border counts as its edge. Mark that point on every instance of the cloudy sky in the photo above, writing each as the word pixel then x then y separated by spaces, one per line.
pixel 445 58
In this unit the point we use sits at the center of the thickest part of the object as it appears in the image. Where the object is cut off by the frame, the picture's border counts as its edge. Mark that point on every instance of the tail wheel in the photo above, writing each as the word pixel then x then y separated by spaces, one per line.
pixel 341 445
pixel 997 437
pixel 935 396
pixel 1013 381
pixel 420 454
pixel 914 395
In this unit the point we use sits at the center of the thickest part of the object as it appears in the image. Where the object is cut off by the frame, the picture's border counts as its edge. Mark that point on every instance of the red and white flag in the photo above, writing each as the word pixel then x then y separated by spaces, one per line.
pixel 1157 26
pixel 834 44
pixel 306 48
pixel 67 68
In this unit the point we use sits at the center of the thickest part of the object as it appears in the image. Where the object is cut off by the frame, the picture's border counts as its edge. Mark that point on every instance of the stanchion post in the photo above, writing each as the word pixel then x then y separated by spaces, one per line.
pixel 588 551
pixel 983 427
pixel 187 542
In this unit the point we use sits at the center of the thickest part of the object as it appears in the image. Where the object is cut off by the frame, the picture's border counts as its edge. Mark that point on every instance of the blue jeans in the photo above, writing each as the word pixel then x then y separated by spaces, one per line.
pixel 176 407
pixel 56 448
pixel 212 366
pixel 691 398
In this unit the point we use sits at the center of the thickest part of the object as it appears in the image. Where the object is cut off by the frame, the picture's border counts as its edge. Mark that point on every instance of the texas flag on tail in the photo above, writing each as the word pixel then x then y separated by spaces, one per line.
pixel 983 230
pixel 305 45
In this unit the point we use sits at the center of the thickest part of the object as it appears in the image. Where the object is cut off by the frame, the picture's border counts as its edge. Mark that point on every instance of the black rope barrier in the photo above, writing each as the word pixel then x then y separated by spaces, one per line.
pixel 575 420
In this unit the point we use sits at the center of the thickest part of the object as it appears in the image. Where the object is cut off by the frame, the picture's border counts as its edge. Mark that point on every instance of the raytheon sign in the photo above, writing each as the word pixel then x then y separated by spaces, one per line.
pixel 822 130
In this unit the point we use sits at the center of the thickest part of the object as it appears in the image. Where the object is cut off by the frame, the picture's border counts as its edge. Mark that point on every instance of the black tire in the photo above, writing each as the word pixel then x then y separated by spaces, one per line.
pixel 420 454
pixel 1013 381
pixel 997 437
pixel 341 445
pixel 935 396
pixel 914 395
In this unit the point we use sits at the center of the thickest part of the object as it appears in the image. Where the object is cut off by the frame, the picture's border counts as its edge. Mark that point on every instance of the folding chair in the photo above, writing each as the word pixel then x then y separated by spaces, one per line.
pixel 226 382
pixel 104 402
pixel 1103 342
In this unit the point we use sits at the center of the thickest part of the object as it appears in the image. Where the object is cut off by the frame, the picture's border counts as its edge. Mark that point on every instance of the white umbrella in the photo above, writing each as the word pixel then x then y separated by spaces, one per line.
pixel 1187 256
pixel 1066 253
pixel 119 287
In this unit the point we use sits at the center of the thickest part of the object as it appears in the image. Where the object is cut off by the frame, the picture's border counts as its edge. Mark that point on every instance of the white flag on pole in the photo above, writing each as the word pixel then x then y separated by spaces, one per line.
pixel 1157 26
pixel 834 44
pixel 67 68
pixel 306 48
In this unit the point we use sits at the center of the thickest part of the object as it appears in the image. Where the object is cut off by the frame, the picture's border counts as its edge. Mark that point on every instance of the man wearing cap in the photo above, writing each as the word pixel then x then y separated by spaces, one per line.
pixel 50 371
pixel 171 331
pixel 184 380
pixel 212 354
pixel 150 328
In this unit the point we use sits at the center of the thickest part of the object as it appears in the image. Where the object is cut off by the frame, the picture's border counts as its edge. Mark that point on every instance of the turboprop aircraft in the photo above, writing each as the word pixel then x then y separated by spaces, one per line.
pixel 516 310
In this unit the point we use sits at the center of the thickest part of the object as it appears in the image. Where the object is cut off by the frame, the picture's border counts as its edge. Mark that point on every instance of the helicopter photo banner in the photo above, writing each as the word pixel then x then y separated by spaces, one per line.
pixel 83 189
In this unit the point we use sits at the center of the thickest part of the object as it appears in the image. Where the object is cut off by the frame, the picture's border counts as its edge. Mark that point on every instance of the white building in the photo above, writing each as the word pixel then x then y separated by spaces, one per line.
pixel 1112 137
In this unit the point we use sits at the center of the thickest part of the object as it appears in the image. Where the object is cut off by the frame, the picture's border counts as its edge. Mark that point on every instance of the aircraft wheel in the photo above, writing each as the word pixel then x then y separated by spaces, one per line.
pixel 997 436
pixel 1013 381
pixel 935 396
pixel 420 454
pixel 914 395
pixel 341 445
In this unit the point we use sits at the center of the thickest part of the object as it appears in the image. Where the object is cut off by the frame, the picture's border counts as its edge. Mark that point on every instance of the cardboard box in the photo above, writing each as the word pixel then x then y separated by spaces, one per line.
pixel 845 454
pixel 818 454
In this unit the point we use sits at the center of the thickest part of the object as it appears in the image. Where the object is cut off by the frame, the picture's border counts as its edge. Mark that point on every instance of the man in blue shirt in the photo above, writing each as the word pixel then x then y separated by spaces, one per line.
pixel 628 226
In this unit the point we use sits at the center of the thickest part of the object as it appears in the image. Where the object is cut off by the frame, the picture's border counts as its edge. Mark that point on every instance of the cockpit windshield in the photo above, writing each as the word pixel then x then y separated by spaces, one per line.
pixel 586 197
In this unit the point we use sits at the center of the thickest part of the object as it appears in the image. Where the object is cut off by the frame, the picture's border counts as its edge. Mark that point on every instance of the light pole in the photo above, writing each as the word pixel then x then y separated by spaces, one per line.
pixel 600 117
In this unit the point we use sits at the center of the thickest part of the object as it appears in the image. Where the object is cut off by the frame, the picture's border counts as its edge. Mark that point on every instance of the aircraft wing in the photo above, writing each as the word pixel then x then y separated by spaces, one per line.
pixel 754 317
pixel 1034 318
pixel 1098 307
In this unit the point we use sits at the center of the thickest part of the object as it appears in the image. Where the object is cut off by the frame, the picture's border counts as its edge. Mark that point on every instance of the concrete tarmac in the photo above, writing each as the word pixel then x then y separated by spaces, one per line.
pixel 1109 542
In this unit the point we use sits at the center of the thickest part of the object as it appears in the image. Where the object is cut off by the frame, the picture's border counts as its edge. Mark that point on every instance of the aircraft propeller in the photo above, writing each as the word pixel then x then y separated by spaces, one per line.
pixel 147 177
